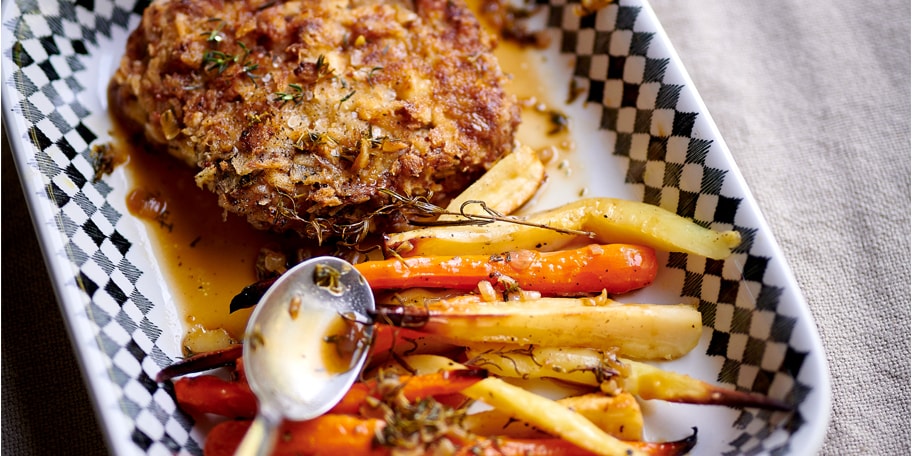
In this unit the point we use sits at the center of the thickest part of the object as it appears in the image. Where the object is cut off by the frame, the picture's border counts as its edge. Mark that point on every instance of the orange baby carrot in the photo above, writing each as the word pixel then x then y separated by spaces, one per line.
pixel 350 435
pixel 210 394
pixel 328 434
pixel 234 399
pixel 616 268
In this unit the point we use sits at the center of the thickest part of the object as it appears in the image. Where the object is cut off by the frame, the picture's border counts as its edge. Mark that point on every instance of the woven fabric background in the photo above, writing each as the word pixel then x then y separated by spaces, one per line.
pixel 812 99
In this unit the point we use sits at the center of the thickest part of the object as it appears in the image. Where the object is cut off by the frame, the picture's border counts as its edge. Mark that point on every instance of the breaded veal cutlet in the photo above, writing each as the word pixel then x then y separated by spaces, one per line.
pixel 297 113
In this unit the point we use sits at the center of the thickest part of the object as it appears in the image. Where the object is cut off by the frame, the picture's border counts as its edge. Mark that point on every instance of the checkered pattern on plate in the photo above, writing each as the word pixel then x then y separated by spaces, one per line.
pixel 653 116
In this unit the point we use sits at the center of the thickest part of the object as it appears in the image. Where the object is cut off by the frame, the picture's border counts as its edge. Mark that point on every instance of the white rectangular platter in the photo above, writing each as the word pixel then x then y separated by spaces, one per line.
pixel 641 131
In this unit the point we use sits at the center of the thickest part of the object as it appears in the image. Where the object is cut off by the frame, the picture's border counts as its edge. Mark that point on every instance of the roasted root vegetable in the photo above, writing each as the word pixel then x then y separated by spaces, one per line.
pixel 642 331
pixel 201 361
pixel 650 382
pixel 618 415
pixel 209 394
pixel 584 366
pixel 523 405
pixel 616 268
pixel 589 248
pixel 326 434
pixel 412 388
pixel 604 220
pixel 504 188
pixel 580 366
pixel 548 416
pixel 205 394
pixel 497 446
pixel 393 341
pixel 353 436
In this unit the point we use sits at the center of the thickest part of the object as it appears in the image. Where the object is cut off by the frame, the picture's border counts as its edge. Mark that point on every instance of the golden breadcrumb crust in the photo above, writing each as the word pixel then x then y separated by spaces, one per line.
pixel 297 113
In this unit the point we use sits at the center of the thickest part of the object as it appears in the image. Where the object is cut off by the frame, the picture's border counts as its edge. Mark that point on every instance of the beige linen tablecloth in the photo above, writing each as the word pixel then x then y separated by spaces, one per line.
pixel 812 98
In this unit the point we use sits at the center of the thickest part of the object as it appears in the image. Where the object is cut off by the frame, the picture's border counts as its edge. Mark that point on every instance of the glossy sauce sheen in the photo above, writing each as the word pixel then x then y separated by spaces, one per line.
pixel 207 260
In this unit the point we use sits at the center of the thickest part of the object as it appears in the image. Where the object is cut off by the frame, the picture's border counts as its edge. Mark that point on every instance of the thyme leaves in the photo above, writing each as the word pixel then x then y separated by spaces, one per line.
pixel 217 60
pixel 328 277
pixel 215 35
pixel 346 97
pixel 422 424
pixel 323 70
pixel 294 94
pixel 420 206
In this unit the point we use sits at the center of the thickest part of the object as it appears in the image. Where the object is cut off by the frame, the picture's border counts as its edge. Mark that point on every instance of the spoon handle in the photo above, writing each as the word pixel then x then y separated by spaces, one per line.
pixel 260 437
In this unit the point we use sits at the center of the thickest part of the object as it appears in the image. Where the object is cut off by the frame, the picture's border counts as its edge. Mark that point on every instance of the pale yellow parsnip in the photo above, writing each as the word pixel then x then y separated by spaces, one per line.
pixel 588 367
pixel 518 403
pixel 619 416
pixel 548 416
pixel 609 220
pixel 504 188
pixel 641 331
pixel 580 366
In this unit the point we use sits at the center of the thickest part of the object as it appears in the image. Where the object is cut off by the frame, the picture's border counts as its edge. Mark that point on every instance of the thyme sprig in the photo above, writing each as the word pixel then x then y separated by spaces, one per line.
pixel 295 94
pixel 248 66
pixel 411 207
pixel 215 35
pixel 346 97
pixel 217 60
pixel 323 69
pixel 420 206
pixel 419 425
pixel 370 76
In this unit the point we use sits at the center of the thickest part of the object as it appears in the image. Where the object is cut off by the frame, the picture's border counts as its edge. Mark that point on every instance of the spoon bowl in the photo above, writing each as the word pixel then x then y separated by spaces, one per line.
pixel 305 345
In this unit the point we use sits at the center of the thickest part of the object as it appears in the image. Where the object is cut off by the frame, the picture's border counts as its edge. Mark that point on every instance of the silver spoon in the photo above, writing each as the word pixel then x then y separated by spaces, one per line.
pixel 306 342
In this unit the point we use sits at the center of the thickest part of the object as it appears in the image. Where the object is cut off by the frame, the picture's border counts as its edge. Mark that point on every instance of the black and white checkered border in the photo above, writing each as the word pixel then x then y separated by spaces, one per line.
pixel 621 64
pixel 52 49
pixel 617 61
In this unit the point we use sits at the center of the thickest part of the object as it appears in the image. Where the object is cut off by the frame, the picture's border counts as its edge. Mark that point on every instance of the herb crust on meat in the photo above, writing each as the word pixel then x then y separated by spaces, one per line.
pixel 298 113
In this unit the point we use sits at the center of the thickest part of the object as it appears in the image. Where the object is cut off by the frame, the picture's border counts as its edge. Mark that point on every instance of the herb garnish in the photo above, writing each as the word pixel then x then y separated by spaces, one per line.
pixel 215 35
pixel 329 278
pixel 217 60
pixel 346 97
pixel 295 94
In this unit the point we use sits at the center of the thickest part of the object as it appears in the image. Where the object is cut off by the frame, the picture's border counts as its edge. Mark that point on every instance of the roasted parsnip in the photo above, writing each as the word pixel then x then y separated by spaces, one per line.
pixel 618 415
pixel 584 366
pixel 580 366
pixel 605 220
pixel 650 382
pixel 641 331
pixel 529 407
pixel 548 416
pixel 504 188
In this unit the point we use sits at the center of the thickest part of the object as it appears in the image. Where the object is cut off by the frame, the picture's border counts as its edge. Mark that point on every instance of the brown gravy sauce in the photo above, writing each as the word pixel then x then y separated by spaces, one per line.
pixel 208 257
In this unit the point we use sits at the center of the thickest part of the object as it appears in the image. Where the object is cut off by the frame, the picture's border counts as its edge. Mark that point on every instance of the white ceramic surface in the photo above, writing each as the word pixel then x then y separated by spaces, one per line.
pixel 641 133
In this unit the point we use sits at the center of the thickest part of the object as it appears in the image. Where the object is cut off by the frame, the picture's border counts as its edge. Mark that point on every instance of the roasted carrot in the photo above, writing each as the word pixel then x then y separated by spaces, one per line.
pixel 444 384
pixel 345 434
pixel 404 341
pixel 211 394
pixel 234 399
pixel 499 446
pixel 201 362
pixel 616 268
pixel 328 434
